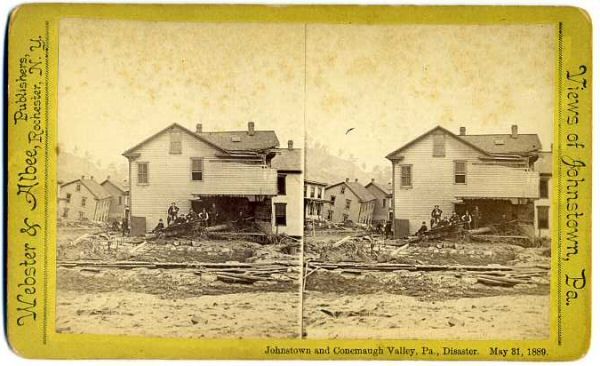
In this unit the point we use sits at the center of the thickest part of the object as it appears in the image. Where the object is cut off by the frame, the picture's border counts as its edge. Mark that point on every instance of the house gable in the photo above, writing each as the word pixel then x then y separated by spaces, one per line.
pixel 396 154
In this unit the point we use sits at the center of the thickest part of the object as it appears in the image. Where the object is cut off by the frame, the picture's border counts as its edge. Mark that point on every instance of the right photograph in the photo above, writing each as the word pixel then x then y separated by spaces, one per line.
pixel 428 181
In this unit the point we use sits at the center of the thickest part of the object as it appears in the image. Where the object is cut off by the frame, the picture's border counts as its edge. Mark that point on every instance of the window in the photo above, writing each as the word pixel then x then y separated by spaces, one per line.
pixel 68 197
pixel 460 172
pixel 318 209
pixel 78 187
pixel 383 203
pixel 330 215
pixel 439 145
pixel 311 209
pixel 406 176
pixel 343 189
pixel 81 217
pixel 319 192
pixel 305 188
pixel 83 200
pixel 142 173
pixel 65 212
pixel 120 200
pixel 312 192
pixel 543 219
pixel 333 200
pixel 345 217
pixel 175 142
pixel 543 188
pixel 348 202
pixel 281 184
pixel 280 216
pixel 197 168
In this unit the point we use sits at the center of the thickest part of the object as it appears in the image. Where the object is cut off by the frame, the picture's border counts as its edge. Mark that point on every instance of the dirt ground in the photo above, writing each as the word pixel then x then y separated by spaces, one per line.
pixel 171 302
pixel 423 304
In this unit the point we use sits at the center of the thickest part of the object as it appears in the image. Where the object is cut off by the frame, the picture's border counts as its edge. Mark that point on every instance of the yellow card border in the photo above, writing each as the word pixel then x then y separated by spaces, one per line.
pixel 31 228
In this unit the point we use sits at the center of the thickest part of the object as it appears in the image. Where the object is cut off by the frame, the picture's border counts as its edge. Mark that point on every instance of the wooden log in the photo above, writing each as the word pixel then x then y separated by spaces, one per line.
pixel 494 282
pixel 342 241
pixel 481 230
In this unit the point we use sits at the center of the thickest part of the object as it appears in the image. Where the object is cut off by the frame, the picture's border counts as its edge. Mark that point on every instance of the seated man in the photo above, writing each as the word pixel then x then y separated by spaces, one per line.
pixel 180 219
pixel 422 229
pixel 191 216
pixel 160 226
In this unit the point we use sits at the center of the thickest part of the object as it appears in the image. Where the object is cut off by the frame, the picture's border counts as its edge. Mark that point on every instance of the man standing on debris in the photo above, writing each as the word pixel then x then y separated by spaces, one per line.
pixel 436 215
pixel 467 219
pixel 204 217
pixel 172 213
pixel 213 215
pixel 388 229
pixel 476 217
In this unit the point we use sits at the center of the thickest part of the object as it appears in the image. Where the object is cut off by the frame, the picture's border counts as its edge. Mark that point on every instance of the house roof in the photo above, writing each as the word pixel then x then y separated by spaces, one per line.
pixel 117 185
pixel 225 141
pixel 242 141
pixel 287 160
pixel 543 164
pixel 94 187
pixel 359 191
pixel 387 189
pixel 488 144
pixel 312 181
pixel 505 143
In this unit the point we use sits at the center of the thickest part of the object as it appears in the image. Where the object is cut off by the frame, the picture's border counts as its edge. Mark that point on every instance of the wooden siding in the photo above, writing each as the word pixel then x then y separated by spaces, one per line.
pixel 380 213
pixel 358 212
pixel 94 210
pixel 170 178
pixel 294 201
pixel 117 211
pixel 433 181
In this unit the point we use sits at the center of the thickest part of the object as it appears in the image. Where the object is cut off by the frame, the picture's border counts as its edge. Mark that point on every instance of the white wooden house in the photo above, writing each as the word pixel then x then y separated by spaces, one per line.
pixel 196 169
pixel 491 173
pixel 543 213
pixel 83 199
pixel 287 205
pixel 349 201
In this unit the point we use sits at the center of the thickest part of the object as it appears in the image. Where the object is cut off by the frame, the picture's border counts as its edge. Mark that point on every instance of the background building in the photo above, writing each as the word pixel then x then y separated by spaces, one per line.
pixel 287 205
pixel 349 201
pixel 83 200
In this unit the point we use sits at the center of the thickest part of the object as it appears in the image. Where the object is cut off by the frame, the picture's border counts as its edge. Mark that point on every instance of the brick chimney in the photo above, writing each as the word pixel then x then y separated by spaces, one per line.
pixel 347 179
pixel 356 180
pixel 198 127
pixel 463 131
pixel 372 180
pixel 290 144
pixel 251 128
pixel 108 177
pixel 83 177
pixel 91 177
pixel 514 131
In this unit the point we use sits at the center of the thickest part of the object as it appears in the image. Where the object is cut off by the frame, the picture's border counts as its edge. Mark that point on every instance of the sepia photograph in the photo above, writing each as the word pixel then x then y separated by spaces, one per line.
pixel 180 169
pixel 428 178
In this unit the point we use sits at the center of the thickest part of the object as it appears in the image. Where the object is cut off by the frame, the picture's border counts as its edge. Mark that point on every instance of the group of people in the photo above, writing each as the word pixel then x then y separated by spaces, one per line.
pixel 438 219
pixel 174 217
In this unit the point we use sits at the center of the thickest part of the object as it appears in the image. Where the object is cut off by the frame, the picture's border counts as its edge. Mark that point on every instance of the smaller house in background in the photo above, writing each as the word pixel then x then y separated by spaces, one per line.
pixel 350 201
pixel 119 204
pixel 543 218
pixel 287 205
pixel 83 199
pixel 382 211
pixel 314 200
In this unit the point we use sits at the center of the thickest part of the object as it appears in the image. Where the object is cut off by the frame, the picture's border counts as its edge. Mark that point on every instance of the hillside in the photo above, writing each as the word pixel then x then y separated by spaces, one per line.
pixel 323 166
pixel 72 165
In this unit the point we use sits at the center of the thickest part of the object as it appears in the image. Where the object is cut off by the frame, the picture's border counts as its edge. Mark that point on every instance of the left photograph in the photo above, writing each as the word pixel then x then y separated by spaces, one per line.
pixel 180 170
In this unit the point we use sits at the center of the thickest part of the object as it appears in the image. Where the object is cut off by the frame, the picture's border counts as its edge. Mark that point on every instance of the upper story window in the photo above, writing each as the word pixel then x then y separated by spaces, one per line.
pixel 197 168
pixel 78 187
pixel 439 145
pixel 460 172
pixel 312 192
pixel 543 187
pixel 83 200
pixel 343 189
pixel 120 200
pixel 142 173
pixel 68 197
pixel 332 200
pixel 383 203
pixel 406 176
pixel 305 188
pixel 281 184
pixel 348 202
pixel 175 142
pixel 319 192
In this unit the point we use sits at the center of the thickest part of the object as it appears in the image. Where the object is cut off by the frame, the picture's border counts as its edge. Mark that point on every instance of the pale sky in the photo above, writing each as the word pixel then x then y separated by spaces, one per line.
pixel 121 81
